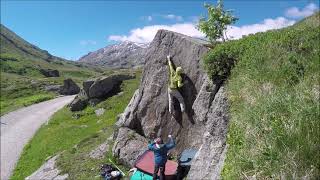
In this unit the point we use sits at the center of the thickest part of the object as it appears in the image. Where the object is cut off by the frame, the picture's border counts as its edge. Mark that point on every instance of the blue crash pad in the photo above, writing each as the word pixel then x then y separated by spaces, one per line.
pixel 138 175
pixel 186 157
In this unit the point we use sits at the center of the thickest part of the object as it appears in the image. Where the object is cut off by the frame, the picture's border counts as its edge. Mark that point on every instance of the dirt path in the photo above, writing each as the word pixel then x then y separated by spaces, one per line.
pixel 19 126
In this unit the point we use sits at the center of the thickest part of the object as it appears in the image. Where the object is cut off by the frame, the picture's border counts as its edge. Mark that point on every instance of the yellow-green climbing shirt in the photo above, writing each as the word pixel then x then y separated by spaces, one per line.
pixel 175 78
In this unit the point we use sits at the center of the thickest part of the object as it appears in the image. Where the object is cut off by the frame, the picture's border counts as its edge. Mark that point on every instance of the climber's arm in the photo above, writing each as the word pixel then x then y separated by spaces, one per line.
pixel 171 144
pixel 151 146
pixel 170 65
pixel 180 83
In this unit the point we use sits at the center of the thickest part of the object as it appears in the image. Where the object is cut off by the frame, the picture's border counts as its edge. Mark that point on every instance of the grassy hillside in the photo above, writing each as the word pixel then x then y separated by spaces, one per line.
pixel 75 138
pixel 22 83
pixel 273 89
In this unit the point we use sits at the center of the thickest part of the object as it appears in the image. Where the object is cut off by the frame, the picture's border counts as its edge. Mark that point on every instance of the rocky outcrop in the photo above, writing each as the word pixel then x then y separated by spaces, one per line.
pixel 207 162
pixel 87 84
pixel 50 72
pixel 104 86
pixel 128 146
pixel 69 87
pixel 78 103
pixel 48 171
pixel 99 152
pixel 203 125
pixel 124 55
pixel 95 91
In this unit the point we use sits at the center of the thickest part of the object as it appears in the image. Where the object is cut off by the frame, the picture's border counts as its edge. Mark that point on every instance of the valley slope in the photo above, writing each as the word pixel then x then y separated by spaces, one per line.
pixel 22 82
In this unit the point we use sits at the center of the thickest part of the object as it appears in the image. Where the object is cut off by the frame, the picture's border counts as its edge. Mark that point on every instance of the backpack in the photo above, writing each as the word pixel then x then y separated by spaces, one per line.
pixel 105 170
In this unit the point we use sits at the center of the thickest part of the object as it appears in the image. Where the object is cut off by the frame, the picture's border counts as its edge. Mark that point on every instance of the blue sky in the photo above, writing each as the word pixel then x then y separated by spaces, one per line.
pixel 71 29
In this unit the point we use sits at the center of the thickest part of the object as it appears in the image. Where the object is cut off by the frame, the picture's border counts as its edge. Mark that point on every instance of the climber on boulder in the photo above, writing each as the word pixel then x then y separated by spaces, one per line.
pixel 175 82
pixel 160 151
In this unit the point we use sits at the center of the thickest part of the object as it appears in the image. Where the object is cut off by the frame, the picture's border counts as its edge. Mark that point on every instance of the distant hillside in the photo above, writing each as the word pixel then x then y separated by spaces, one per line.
pixel 21 67
pixel 26 55
pixel 124 55
pixel 13 44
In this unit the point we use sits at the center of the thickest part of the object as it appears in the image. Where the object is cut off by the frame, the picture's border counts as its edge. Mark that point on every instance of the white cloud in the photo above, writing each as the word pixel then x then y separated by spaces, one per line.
pixel 166 16
pixel 146 18
pixel 194 19
pixel 295 12
pixel 87 42
pixel 173 17
pixel 147 33
pixel 234 32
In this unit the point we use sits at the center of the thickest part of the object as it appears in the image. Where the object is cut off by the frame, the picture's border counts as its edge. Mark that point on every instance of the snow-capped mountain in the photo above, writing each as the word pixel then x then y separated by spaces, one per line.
pixel 123 55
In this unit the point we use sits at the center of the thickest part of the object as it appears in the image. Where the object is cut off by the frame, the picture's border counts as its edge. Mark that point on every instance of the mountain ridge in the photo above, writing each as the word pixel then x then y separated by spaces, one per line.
pixel 126 54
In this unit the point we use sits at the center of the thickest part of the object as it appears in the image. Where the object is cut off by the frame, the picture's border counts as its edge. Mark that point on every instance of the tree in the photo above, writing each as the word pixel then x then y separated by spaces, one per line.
pixel 215 25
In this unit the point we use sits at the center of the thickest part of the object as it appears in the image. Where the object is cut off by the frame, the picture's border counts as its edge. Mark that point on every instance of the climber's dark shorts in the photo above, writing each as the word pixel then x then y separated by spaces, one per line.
pixel 162 170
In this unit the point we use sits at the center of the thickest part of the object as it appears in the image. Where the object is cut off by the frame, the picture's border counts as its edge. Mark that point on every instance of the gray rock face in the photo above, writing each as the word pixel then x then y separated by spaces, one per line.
pixel 124 55
pixel 102 86
pixel 128 146
pixel 100 151
pixel 95 91
pixel 207 163
pixel 148 114
pixel 69 87
pixel 87 84
pixel 50 72
pixel 78 104
pixel 126 117
pixel 48 171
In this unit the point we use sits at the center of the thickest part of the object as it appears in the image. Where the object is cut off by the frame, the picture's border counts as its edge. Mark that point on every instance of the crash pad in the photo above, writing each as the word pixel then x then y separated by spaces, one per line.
pixel 145 163
pixel 186 156
pixel 138 175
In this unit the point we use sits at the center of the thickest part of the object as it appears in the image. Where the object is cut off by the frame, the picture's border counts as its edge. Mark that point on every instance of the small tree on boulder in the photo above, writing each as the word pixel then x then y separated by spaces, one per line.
pixel 216 23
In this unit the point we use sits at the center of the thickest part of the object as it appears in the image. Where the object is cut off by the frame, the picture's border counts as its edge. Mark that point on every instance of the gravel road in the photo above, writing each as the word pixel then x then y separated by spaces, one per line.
pixel 19 126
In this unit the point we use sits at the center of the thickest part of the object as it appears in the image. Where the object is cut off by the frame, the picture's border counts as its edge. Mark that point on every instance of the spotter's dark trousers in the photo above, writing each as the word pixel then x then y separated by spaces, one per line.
pixel 162 170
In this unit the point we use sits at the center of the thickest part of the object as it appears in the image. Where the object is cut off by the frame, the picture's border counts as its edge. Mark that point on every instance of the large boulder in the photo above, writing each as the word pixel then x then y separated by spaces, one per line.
pixel 50 72
pixel 129 111
pixel 78 103
pixel 69 87
pixel 87 84
pixel 105 86
pixel 95 91
pixel 148 114
pixel 128 146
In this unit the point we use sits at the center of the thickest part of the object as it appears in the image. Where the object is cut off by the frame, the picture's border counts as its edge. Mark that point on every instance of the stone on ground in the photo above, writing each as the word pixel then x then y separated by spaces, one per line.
pixel 48 171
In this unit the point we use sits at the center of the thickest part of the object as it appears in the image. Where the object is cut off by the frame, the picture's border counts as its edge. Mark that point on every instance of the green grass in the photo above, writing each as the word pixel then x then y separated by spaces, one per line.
pixel 21 81
pixel 273 89
pixel 79 165
pixel 18 91
pixel 63 132
pixel 13 104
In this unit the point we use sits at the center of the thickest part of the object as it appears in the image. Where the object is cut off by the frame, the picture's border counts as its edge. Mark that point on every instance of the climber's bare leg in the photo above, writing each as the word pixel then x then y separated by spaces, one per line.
pixel 177 95
pixel 170 100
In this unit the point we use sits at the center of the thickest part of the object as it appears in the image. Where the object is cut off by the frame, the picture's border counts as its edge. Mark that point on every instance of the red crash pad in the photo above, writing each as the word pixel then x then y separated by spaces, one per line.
pixel 145 163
